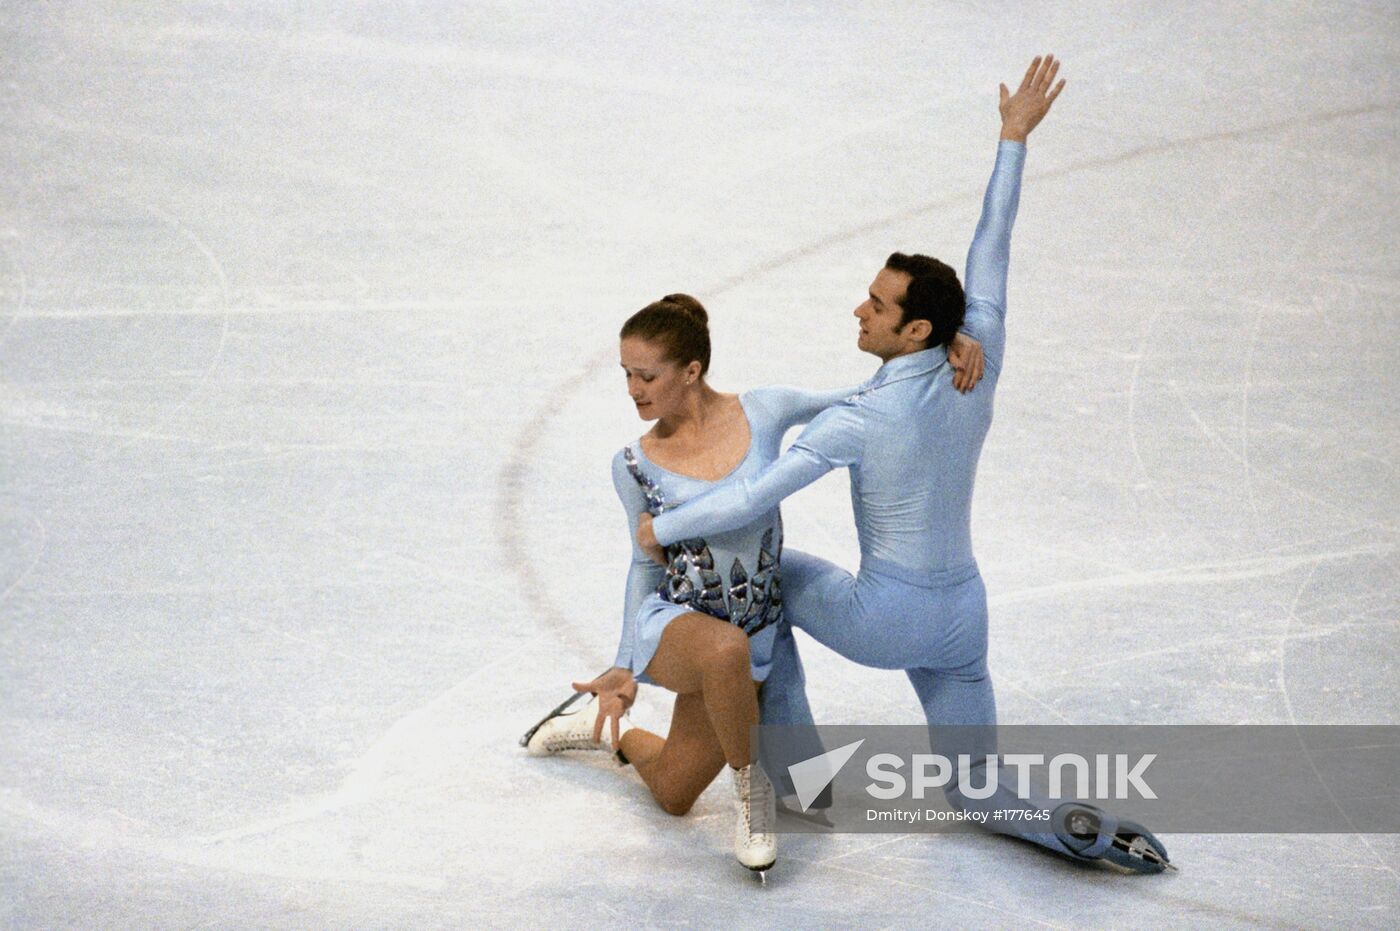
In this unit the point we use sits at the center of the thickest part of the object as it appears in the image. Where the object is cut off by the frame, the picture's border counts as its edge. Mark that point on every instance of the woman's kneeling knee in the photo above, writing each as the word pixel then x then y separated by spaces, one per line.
pixel 674 804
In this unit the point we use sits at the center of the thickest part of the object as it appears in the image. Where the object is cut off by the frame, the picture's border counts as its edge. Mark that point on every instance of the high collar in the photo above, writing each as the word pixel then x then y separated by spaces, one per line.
pixel 915 363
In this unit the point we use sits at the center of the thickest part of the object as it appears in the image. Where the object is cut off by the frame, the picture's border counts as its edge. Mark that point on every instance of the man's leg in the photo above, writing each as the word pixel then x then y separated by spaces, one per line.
pixel 822 599
pixel 954 688
pixel 813 590
pixel 815 593
pixel 783 702
pixel 960 708
pixel 961 713
pixel 830 605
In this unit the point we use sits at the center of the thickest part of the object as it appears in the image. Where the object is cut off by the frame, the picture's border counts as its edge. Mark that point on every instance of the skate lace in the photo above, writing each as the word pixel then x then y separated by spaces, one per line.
pixel 758 797
pixel 576 735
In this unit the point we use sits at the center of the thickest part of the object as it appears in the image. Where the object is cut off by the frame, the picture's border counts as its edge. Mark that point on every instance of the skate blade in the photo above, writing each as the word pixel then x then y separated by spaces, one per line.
pixel 761 872
pixel 1139 849
pixel 560 709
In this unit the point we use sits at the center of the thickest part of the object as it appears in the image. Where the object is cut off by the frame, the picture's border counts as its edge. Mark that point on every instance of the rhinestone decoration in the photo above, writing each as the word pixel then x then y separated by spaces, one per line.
pixel 749 602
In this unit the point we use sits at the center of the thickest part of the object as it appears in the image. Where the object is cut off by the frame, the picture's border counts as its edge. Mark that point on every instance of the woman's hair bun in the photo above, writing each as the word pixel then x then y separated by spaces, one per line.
pixel 678 323
pixel 688 304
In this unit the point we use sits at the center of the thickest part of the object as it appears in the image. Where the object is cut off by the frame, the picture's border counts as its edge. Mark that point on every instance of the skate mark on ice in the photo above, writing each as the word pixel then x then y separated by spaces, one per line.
pixel 1283 639
pixel 370 772
pixel 22 299
pixel 222 278
pixel 1199 230
pixel 39 555
pixel 152 431
pixel 1020 689
pixel 1244 413
pixel 88 833
pixel 318 647
pixel 90 430
pixel 1298 251
pixel 1283 647
pixel 512 504
pixel 283 308
pixel 862 850
pixel 1102 563
pixel 1308 496
pixel 936 892
pixel 849 234
pixel 1250 567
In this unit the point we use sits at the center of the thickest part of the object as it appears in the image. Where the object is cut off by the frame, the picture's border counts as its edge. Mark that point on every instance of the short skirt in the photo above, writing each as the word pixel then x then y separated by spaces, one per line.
pixel 656 612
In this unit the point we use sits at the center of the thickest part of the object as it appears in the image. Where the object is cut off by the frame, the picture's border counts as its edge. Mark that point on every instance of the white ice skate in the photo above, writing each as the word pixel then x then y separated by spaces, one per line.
pixel 572 730
pixel 755 844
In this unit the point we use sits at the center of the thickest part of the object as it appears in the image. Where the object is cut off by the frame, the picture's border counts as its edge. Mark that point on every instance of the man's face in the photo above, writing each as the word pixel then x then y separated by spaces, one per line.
pixel 879 316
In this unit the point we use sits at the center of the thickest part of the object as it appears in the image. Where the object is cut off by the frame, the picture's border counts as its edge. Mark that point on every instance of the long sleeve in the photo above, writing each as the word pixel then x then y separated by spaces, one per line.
pixel 990 254
pixel 792 406
pixel 643 575
pixel 834 439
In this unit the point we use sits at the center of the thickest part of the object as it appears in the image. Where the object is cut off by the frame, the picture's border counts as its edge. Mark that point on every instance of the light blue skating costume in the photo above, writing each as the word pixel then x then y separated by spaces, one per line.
pixel 732 575
pixel 911 442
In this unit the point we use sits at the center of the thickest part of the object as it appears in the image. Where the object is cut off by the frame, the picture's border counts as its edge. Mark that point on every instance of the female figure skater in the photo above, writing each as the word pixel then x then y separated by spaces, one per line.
pixel 703 625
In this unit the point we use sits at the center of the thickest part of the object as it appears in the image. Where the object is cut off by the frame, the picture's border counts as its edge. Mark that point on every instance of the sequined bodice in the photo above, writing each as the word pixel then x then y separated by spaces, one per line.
pixel 748 596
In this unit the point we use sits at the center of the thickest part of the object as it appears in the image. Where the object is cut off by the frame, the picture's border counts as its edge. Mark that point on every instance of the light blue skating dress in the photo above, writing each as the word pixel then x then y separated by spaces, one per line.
pixel 733 575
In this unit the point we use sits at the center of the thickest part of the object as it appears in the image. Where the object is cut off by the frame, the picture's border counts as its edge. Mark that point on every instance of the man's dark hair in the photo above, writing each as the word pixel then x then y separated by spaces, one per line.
pixel 934 295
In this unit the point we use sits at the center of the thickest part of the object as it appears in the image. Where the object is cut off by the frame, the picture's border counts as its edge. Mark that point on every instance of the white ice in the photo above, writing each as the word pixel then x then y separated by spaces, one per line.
pixel 307 318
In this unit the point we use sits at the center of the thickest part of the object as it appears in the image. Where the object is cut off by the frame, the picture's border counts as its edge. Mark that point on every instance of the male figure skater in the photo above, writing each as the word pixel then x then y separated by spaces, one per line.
pixel 911 442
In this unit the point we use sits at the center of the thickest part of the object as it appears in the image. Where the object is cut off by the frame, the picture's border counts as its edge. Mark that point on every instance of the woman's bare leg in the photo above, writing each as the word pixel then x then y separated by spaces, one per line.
pixel 679 768
pixel 705 661
pixel 640 746
pixel 699 653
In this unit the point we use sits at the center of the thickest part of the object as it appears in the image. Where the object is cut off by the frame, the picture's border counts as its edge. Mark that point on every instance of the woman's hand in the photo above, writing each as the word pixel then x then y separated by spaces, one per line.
pixel 646 539
pixel 616 690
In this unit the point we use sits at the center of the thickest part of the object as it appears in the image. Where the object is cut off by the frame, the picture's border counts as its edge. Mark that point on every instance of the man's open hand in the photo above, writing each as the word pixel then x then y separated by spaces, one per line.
pixel 646 539
pixel 1022 111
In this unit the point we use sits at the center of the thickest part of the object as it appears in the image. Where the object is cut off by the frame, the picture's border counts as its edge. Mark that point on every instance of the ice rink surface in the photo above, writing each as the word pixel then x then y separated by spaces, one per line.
pixel 307 319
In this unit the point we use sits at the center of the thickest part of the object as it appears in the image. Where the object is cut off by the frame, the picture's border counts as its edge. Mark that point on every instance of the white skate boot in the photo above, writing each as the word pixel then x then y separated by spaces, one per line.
pixel 572 730
pixel 755 844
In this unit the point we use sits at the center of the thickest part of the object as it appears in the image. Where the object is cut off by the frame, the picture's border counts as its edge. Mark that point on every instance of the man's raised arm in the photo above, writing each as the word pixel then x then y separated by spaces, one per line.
pixel 990 254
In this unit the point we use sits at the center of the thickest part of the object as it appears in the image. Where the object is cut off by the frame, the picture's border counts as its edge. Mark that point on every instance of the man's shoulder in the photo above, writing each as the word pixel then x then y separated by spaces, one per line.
pixel 899 388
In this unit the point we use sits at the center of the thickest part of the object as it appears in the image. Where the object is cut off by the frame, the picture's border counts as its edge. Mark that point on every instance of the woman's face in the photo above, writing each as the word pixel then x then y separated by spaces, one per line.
pixel 657 385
